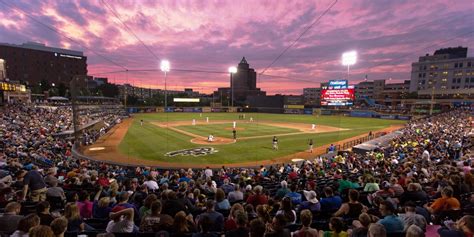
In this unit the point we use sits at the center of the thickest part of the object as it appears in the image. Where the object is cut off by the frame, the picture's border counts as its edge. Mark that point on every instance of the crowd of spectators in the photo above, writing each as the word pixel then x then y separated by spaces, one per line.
pixel 422 180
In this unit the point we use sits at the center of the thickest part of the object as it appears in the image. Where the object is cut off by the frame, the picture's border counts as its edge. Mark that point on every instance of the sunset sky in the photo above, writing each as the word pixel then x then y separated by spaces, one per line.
pixel 212 35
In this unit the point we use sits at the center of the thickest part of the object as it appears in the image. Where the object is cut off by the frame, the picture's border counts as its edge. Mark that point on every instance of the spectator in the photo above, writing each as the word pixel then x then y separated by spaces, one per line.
pixel 227 187
pixel 34 183
pixel 155 221
pixel 353 208
pixel 235 195
pixel 371 185
pixel 277 227
pixel 41 231
pixel 281 192
pixel 336 226
pixel 146 208
pixel 183 225
pixel 205 226
pixel 215 218
pixel 463 227
pixel 258 198
pixel 257 228
pixel 101 208
pixel 151 184
pixel 445 203
pixel 42 210
pixel 294 195
pixel 121 220
pixel 242 230
pixel 306 230
pixel 331 203
pixel 414 193
pixel 173 205
pixel 59 226
pixel 287 211
pixel 10 219
pixel 411 218
pixel 311 202
pixel 231 222
pixel 25 224
pixel 221 202
pixel 415 231
pixel 55 191
pixel 377 230
pixel 84 205
pixel 75 223
pixel 361 226
pixel 391 222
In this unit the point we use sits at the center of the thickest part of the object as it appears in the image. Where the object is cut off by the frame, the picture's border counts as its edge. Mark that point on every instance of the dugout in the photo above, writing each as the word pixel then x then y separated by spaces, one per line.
pixel 376 143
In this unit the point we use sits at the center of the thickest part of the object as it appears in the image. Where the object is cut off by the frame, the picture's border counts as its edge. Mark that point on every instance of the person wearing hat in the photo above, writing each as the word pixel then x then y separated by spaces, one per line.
pixel 410 217
pixel 311 203
pixel 121 220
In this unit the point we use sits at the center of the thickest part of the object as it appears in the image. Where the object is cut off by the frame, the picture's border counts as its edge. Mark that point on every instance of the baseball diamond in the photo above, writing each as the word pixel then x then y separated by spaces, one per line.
pixel 164 133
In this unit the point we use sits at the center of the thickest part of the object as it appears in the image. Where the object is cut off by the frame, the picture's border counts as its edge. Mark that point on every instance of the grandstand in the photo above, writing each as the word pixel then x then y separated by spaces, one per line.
pixel 423 175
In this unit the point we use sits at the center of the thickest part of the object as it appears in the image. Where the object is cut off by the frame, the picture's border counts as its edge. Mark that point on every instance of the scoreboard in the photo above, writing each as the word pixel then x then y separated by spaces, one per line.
pixel 337 93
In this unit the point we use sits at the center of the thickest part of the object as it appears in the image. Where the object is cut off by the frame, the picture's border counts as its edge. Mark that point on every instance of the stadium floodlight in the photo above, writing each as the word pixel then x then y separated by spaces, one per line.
pixel 232 70
pixel 165 67
pixel 349 59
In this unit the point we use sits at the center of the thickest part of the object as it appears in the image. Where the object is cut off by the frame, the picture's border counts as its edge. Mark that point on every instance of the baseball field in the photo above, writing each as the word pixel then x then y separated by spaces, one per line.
pixel 173 140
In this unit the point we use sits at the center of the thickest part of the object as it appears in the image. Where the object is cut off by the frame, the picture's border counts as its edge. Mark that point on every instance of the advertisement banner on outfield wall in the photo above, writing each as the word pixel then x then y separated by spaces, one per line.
pixel 206 109
pixel 387 116
pixel 365 114
pixel 308 111
pixel 401 117
pixel 169 109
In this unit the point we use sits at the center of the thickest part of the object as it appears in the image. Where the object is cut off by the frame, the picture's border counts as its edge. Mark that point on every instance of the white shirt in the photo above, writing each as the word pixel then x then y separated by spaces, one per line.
pixel 122 226
pixel 208 173
pixel 151 184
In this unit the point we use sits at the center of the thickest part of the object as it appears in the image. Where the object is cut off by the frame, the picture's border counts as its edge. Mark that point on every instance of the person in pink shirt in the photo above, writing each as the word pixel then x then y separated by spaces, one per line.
pixel 85 205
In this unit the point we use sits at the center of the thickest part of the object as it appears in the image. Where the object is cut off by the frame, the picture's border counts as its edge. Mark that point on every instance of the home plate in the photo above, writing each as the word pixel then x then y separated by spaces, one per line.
pixel 297 160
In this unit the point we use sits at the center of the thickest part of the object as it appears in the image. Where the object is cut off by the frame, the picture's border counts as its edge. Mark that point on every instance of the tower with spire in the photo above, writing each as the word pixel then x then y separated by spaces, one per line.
pixel 245 84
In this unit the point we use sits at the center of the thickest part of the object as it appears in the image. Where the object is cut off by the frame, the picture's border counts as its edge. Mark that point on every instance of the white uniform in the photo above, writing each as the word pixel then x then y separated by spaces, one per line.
pixel 313 126
pixel 251 119
pixel 207 119
pixel 234 124
pixel 194 121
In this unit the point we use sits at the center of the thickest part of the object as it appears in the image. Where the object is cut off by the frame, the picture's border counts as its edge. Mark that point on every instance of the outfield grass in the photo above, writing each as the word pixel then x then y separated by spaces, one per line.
pixel 152 142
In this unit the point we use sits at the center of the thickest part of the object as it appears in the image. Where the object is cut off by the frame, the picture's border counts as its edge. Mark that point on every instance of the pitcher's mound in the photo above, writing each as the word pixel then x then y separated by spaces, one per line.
pixel 236 129
pixel 217 141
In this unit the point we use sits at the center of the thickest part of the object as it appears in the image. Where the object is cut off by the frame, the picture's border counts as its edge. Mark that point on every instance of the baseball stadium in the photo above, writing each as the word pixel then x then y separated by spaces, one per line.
pixel 246 118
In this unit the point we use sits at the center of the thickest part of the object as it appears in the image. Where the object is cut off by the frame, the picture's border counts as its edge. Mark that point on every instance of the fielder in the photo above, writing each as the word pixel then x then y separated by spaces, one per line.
pixel 141 122
pixel 275 143
pixel 210 138
pixel 194 122
pixel 207 119
pixel 251 119
pixel 313 126
pixel 234 124
pixel 310 143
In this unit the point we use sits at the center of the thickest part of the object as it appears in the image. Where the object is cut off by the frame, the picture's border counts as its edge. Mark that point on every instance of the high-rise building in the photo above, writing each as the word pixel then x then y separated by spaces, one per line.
pixel 447 71
pixel 244 84
pixel 33 62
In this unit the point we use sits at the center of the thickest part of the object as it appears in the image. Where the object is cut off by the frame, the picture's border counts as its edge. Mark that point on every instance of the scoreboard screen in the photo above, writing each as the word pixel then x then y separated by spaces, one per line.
pixel 337 93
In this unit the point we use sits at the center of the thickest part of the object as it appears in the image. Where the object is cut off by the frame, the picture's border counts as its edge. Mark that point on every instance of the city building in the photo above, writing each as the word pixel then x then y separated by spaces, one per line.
pixel 3 70
pixel 33 63
pixel 312 96
pixel 368 90
pixel 447 72
pixel 244 85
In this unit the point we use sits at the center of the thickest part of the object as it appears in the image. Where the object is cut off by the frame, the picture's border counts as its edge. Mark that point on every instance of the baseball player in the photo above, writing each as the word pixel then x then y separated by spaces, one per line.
pixel 275 143
pixel 310 143
pixel 234 134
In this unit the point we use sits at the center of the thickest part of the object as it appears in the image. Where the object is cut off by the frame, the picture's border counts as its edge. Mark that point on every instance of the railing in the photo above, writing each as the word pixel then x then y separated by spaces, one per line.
pixel 357 141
